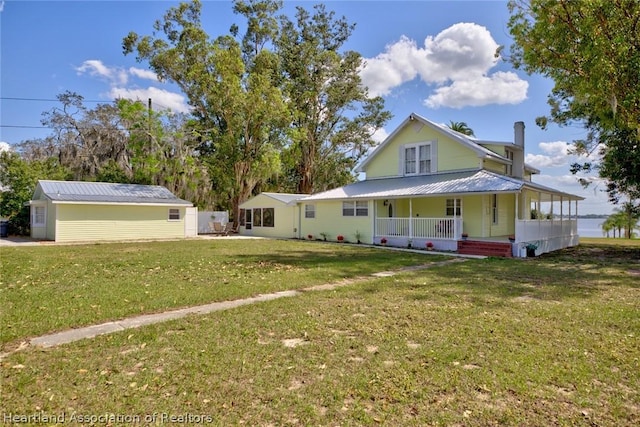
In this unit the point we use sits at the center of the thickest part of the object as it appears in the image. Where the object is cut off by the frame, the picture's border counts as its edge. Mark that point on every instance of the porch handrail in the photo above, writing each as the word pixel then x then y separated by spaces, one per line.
pixel 420 228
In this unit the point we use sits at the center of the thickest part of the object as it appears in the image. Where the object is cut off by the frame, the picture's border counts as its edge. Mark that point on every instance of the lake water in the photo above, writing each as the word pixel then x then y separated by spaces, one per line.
pixel 591 227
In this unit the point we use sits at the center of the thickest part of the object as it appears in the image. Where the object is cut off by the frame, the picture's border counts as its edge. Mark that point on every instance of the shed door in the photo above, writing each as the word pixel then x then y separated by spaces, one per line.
pixel 248 219
pixel 191 222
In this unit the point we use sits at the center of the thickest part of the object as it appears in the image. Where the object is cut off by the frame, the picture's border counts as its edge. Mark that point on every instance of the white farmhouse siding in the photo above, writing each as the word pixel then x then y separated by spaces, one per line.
pixel 285 218
pixel 94 211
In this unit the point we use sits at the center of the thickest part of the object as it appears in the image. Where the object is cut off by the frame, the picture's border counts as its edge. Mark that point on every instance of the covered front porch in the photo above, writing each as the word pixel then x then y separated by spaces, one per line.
pixel 529 221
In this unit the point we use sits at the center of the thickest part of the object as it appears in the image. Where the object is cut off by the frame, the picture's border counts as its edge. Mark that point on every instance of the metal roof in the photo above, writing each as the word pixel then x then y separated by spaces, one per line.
pixel 286 198
pixel 104 192
pixel 463 182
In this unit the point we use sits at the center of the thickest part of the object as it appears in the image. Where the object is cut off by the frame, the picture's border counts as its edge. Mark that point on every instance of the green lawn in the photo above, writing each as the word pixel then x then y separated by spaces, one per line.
pixel 536 342
pixel 51 288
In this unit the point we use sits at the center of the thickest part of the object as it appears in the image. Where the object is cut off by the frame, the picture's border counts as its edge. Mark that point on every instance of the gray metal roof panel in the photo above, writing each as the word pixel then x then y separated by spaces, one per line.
pixel 425 185
pixel 286 198
pixel 103 192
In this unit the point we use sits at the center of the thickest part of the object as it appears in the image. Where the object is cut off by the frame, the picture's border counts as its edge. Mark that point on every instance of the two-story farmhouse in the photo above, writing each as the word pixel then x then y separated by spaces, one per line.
pixel 427 183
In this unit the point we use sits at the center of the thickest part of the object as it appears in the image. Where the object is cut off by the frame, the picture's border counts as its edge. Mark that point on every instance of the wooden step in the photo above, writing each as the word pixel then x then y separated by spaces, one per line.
pixel 481 247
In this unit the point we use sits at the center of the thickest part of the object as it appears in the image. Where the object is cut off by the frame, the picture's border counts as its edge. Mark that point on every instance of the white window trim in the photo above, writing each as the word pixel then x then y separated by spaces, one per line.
pixel 457 206
pixel 417 145
pixel 174 219
pixel 495 211
pixel 309 211
pixel 34 219
pixel 356 206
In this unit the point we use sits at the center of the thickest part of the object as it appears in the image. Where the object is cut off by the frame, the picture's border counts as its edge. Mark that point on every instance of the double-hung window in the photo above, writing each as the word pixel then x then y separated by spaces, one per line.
pixel 38 215
pixel 356 208
pixel 309 211
pixel 174 214
pixel 509 167
pixel 454 207
pixel 417 159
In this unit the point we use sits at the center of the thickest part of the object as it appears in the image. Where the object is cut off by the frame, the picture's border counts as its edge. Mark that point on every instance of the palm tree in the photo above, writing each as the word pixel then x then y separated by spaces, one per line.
pixel 607 226
pixel 629 216
pixel 461 127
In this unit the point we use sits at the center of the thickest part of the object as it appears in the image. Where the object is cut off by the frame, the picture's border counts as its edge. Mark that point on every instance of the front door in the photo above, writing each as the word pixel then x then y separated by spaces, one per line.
pixel 248 219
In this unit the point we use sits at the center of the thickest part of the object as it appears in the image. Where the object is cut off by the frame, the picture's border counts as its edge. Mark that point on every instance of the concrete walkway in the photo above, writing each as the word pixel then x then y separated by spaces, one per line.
pixel 64 337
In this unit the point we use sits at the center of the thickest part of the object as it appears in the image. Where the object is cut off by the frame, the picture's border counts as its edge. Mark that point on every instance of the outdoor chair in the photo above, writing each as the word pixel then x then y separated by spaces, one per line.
pixel 218 228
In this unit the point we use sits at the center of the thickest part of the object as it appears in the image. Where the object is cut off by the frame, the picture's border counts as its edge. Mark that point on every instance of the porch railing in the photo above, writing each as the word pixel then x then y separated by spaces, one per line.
pixel 528 230
pixel 427 228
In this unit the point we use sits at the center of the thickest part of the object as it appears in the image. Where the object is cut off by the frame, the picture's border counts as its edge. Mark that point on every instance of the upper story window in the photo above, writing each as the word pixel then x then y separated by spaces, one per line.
pixel 509 168
pixel 417 159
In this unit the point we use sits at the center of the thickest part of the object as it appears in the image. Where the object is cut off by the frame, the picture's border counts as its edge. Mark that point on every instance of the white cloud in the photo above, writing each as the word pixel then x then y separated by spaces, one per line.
pixel 557 154
pixel 160 98
pixel 143 74
pixel 499 88
pixel 118 79
pixel 457 60
pixel 96 68
pixel 595 196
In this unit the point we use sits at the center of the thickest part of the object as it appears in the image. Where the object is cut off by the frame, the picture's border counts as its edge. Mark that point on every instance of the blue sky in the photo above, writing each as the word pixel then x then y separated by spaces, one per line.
pixel 433 58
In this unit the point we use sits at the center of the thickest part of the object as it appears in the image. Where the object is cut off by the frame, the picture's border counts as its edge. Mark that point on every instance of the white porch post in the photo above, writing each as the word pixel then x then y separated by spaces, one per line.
pixel 455 218
pixel 515 225
pixel 561 215
pixel 410 218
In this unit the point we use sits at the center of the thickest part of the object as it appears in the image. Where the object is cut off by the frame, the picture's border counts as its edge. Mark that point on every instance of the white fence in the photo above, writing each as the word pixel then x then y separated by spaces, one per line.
pixel 206 217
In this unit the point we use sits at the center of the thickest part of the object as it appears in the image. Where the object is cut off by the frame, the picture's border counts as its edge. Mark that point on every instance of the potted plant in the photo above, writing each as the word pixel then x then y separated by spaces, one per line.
pixel 531 249
pixel 464 236
pixel 324 236
pixel 383 241
pixel 358 236
pixel 512 238
pixel 429 246
pixel 340 238
pixel 310 236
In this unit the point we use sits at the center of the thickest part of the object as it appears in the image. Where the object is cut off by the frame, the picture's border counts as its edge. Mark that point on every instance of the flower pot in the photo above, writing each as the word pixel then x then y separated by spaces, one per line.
pixel 531 252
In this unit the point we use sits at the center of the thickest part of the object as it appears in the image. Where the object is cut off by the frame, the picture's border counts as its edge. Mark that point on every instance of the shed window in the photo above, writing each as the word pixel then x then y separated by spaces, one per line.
pixel 242 219
pixel 309 211
pixel 360 208
pixel 38 215
pixel 174 214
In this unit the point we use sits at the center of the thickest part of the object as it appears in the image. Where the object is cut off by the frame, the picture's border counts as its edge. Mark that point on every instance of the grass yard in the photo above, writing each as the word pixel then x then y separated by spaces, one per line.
pixel 547 341
pixel 52 288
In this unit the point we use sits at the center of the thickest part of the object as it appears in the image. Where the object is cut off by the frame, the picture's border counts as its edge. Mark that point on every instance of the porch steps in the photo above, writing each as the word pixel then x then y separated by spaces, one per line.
pixel 478 247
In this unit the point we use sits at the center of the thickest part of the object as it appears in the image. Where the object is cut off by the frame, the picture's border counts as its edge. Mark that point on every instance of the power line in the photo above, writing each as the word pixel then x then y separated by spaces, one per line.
pixel 11 98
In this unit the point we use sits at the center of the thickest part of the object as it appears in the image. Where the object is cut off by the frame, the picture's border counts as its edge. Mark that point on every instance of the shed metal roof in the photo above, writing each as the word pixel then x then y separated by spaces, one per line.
pixel 104 192
pixel 463 182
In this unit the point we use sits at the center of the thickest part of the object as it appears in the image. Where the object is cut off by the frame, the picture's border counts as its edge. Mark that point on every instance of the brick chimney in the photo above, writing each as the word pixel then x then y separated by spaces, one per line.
pixel 518 152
